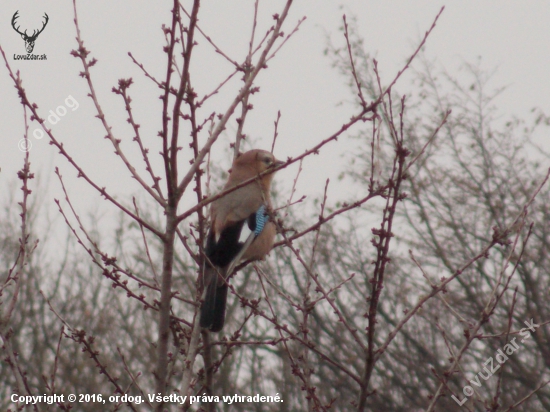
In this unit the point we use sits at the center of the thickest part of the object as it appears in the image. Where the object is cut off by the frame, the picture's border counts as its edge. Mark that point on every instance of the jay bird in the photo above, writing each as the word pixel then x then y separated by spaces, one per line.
pixel 240 229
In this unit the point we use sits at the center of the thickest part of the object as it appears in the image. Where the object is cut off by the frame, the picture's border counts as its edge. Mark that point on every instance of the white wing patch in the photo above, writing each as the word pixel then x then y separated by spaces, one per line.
pixel 245 233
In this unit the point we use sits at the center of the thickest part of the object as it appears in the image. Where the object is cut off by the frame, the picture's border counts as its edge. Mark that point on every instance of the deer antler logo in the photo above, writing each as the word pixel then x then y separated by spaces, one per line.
pixel 29 40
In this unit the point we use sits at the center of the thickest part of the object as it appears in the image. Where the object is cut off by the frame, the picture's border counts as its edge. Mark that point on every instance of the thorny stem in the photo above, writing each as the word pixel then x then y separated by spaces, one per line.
pixel 174 194
pixel 21 261
pixel 384 235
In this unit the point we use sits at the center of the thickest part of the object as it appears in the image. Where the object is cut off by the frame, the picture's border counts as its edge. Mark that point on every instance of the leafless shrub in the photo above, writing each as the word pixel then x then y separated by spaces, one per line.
pixel 340 317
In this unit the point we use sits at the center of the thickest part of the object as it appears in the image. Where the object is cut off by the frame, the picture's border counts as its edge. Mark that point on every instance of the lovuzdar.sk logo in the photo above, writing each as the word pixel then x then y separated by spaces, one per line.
pixel 29 39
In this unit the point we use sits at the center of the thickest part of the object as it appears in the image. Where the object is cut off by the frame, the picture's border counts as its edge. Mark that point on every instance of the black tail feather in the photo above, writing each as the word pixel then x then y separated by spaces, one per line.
pixel 213 307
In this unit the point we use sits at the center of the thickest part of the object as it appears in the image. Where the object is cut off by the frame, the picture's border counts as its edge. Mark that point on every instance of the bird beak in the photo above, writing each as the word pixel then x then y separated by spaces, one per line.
pixel 278 163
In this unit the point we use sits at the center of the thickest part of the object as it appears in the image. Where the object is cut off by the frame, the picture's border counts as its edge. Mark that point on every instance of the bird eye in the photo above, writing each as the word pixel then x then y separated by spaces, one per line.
pixel 267 160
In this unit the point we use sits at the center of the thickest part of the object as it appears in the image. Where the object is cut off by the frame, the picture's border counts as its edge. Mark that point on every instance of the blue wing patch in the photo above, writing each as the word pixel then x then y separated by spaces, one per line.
pixel 255 223
pixel 261 220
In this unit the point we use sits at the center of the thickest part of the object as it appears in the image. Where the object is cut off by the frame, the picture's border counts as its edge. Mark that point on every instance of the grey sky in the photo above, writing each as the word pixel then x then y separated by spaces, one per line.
pixel 300 81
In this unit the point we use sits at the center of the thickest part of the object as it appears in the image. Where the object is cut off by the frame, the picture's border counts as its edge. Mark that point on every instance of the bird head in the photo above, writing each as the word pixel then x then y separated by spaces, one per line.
pixel 259 160
pixel 252 163
pixel 256 161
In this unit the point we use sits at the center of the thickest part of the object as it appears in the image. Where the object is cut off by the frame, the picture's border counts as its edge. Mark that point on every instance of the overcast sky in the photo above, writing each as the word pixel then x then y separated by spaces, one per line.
pixel 512 36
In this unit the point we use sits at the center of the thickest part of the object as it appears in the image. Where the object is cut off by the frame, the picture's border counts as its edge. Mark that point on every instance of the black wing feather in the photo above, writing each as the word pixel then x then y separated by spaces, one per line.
pixel 220 254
